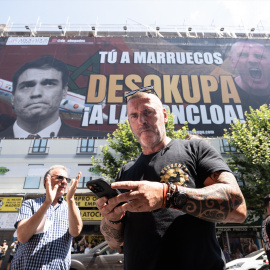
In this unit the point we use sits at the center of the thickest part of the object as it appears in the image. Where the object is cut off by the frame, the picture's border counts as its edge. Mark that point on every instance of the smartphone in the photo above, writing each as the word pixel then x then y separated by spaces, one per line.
pixel 102 188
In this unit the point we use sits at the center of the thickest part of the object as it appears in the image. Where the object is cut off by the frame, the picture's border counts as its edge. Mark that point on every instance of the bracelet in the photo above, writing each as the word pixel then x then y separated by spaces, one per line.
pixel 171 190
pixel 117 221
pixel 165 190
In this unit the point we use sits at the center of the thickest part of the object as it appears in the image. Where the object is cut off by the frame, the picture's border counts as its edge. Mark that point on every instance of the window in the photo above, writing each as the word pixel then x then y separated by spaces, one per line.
pixel 39 147
pixel 86 146
pixel 34 175
pixel 83 181
pixel 32 182
pixel 226 147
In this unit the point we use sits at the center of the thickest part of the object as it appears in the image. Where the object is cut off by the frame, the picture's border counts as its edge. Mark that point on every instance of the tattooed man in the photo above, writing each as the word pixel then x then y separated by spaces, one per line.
pixel 175 192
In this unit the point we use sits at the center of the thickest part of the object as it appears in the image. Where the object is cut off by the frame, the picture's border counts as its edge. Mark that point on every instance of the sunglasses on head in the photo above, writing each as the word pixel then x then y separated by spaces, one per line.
pixel 148 90
pixel 61 178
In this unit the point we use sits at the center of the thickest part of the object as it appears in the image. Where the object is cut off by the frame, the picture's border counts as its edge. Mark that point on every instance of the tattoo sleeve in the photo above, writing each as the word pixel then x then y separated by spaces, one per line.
pixel 111 234
pixel 221 200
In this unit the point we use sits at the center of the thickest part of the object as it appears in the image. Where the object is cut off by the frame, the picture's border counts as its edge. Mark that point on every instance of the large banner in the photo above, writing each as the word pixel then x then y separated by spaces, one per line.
pixel 73 87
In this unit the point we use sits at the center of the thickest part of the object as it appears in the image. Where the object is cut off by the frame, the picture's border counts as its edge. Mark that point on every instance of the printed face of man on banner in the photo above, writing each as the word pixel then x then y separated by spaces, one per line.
pixel 38 95
pixel 252 61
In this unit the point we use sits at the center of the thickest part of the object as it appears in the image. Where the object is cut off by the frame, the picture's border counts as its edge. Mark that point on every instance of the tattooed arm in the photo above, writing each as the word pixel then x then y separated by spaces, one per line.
pixel 221 200
pixel 113 233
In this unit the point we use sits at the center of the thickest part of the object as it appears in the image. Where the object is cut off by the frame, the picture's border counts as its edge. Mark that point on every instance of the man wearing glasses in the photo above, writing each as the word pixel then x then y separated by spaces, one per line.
pixel 46 225
pixel 176 190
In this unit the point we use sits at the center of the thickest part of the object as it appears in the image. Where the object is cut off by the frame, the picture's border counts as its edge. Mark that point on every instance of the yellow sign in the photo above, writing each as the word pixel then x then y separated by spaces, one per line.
pixel 96 238
pixel 85 201
pixel 10 204
pixel 91 215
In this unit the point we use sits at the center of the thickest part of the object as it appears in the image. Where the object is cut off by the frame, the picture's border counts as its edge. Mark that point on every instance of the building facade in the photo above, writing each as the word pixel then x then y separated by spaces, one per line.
pixel 25 161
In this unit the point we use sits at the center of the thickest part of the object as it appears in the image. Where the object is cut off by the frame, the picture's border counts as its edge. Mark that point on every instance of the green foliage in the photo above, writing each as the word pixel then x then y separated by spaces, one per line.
pixel 252 141
pixel 122 146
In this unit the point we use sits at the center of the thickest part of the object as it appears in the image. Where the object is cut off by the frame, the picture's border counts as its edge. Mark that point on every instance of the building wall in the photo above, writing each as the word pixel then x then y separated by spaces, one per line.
pixel 16 156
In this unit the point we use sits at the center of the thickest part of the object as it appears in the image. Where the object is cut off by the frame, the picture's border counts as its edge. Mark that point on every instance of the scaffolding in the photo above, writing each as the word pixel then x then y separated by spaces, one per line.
pixel 135 29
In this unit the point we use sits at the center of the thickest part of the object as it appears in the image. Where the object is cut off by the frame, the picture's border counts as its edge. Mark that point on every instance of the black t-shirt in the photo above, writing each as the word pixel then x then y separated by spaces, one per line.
pixel 249 100
pixel 168 238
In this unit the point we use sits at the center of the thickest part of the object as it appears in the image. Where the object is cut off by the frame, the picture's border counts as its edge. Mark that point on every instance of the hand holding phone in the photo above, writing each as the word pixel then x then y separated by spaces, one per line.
pixel 102 188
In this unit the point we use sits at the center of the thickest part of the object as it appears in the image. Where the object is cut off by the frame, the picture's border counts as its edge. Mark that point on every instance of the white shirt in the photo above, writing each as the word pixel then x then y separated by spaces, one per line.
pixel 50 131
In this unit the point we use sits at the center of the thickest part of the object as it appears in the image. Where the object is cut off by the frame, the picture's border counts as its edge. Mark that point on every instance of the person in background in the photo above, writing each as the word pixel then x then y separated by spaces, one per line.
pixel 266 227
pixel 82 244
pixel 88 248
pixel 3 250
pixel 175 192
pixel 252 246
pixel 46 225
pixel 94 243
pixel 226 254
pixel 238 254
pixel 13 250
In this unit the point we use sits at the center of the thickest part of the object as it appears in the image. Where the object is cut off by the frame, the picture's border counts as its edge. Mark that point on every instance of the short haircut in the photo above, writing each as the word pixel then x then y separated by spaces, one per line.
pixel 244 43
pixel 53 168
pixel 44 62
pixel 266 200
pixel 141 94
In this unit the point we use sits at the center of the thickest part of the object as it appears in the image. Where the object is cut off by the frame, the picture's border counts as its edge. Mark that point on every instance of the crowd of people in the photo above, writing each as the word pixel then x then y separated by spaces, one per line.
pixel 83 246
pixel 3 251
pixel 248 246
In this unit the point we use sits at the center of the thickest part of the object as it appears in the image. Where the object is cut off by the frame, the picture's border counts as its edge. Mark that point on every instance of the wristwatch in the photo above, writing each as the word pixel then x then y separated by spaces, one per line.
pixel 179 199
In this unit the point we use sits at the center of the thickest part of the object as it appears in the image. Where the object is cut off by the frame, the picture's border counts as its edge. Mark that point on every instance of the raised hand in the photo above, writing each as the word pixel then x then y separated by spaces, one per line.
pixel 73 187
pixel 50 192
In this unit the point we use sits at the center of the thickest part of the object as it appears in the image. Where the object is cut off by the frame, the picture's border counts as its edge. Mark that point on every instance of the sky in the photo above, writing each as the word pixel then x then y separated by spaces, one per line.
pixel 215 13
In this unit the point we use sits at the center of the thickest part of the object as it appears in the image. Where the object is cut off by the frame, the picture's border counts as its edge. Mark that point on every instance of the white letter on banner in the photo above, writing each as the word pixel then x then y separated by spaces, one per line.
pixel 230 114
pixel 85 117
pixel 179 114
pixel 151 58
pixel 140 57
pixel 189 58
pixel 170 57
pixel 123 114
pixel 217 58
pixel 161 58
pixel 205 120
pixel 180 58
pixel 112 115
pixel 96 115
pixel 208 58
pixel 198 58
pixel 112 57
pixel 216 114
pixel 190 110
pixel 102 57
pixel 125 58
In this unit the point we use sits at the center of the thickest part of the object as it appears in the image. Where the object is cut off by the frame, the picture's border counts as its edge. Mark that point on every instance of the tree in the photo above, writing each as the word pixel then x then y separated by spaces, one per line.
pixel 251 163
pixel 122 147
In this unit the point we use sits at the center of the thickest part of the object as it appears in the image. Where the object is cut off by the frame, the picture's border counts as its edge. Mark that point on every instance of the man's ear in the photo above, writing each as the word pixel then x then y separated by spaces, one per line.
pixel 65 89
pixel 165 115
pixel 12 102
